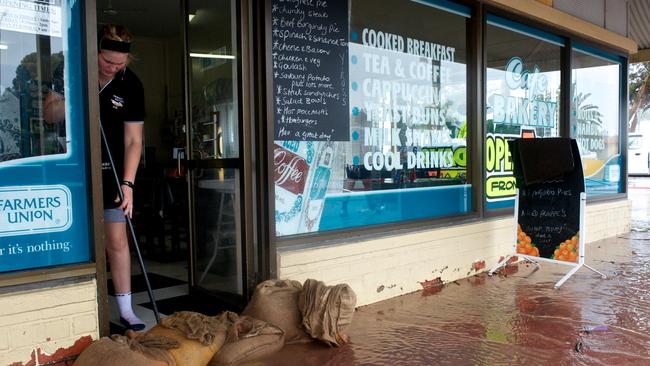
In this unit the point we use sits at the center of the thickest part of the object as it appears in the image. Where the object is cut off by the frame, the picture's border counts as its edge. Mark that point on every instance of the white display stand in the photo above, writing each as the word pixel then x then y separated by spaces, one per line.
pixel 536 260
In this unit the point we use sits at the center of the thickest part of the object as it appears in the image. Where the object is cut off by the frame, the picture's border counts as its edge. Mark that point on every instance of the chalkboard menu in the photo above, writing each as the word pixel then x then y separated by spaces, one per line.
pixel 550 181
pixel 310 70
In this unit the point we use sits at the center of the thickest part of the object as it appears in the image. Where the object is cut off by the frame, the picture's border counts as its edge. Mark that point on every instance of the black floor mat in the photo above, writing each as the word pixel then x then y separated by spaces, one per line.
pixel 138 284
pixel 194 303
pixel 116 328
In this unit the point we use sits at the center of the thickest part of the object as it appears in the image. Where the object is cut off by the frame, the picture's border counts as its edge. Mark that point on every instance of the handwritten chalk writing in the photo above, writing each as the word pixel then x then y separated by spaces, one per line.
pixel 552 213
pixel 309 60
pixel 550 193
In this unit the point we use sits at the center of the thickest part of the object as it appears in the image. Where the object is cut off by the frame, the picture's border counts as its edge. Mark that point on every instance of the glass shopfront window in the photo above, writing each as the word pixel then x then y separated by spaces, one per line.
pixel 44 199
pixel 370 114
pixel 522 98
pixel 595 118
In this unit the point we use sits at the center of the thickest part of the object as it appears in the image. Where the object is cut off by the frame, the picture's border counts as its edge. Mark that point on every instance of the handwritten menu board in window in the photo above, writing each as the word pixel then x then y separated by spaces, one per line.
pixel 550 181
pixel 310 70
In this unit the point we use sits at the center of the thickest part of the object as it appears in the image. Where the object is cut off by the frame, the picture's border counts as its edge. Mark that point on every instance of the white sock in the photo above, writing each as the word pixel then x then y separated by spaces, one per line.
pixel 126 311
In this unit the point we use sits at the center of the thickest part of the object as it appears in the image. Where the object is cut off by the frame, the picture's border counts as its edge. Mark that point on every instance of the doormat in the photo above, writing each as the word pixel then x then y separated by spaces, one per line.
pixel 210 307
pixel 138 284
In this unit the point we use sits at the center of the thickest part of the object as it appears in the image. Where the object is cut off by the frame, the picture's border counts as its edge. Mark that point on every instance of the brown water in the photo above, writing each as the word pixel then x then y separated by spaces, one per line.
pixel 513 319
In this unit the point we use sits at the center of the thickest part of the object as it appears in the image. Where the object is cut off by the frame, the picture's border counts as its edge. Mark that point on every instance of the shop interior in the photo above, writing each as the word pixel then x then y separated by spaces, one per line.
pixel 162 198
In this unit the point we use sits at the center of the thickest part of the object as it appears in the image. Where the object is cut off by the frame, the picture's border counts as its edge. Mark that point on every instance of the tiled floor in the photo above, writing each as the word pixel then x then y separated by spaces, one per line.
pixel 175 270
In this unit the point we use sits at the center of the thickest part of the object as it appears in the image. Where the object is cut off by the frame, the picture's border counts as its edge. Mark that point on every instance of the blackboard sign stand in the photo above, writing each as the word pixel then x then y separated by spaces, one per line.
pixel 549 205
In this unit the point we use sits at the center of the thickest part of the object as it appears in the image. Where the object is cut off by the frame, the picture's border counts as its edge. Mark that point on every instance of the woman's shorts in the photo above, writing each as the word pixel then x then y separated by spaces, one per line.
pixel 114 215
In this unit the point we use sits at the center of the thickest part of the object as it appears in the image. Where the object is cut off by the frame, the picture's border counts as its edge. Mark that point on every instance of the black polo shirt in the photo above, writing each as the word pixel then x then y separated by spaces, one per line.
pixel 120 101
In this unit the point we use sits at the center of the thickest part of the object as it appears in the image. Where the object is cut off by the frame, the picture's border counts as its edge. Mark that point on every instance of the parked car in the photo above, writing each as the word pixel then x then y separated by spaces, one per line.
pixel 638 154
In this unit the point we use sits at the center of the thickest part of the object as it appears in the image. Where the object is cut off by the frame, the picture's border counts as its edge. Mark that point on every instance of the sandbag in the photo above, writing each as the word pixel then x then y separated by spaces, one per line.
pixel 276 302
pixel 327 310
pixel 198 335
pixel 137 349
pixel 248 340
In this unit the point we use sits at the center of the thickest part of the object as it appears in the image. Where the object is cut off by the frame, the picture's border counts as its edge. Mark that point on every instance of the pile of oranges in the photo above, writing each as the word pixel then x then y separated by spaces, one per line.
pixel 524 244
pixel 568 250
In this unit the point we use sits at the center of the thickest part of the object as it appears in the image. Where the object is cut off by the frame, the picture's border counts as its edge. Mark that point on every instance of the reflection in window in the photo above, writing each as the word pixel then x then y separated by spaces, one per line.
pixel 31 69
pixel 522 100
pixel 213 56
pixel 406 155
pixel 595 95
pixel 635 142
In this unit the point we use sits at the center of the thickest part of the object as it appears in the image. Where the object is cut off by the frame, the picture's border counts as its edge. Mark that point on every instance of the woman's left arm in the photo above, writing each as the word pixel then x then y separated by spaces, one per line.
pixel 132 151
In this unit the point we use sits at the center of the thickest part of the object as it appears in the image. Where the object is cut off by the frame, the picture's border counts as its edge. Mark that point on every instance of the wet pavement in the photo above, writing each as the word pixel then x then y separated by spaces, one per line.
pixel 516 318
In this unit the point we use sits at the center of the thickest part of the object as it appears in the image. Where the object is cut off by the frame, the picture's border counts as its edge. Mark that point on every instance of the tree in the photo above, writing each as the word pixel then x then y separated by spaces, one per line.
pixel 638 85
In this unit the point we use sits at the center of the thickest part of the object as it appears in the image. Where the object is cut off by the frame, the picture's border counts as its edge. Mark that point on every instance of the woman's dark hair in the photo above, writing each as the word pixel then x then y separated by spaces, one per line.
pixel 115 32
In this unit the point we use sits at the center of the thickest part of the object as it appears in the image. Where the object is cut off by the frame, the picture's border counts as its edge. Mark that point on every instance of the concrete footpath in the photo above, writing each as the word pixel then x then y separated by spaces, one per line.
pixel 515 318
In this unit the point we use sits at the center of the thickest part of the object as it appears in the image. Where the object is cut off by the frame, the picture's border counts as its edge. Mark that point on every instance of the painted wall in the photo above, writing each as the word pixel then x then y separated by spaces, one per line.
pixel 609 14
pixel 379 269
pixel 50 321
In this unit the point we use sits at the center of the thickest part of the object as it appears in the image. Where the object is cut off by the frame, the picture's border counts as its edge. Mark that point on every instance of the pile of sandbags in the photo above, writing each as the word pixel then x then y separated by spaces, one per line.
pixel 280 311
pixel 276 302
pixel 248 339
pixel 327 311
pixel 132 349
pixel 183 339
pixel 304 312
pixel 199 336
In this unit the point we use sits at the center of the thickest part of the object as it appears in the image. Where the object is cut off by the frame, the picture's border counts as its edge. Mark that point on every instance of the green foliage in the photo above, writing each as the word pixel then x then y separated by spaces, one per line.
pixel 637 75
pixel 638 80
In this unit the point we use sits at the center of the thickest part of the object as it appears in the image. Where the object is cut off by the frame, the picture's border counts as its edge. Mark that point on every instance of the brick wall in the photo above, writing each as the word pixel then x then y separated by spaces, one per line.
pixel 607 220
pixel 378 269
pixel 44 322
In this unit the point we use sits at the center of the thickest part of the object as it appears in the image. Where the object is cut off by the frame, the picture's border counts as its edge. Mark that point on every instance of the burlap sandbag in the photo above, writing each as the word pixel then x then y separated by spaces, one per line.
pixel 138 349
pixel 199 336
pixel 276 302
pixel 248 340
pixel 327 310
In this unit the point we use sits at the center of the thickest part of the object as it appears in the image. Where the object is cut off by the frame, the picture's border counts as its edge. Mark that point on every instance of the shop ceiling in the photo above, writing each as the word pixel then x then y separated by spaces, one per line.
pixel 639 28
pixel 152 18
pixel 639 22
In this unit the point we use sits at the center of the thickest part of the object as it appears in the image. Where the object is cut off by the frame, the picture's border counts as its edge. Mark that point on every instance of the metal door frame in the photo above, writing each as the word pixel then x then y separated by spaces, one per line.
pixel 244 164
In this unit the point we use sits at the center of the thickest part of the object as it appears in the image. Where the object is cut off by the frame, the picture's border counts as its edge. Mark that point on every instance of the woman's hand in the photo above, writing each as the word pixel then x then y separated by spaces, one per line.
pixel 127 202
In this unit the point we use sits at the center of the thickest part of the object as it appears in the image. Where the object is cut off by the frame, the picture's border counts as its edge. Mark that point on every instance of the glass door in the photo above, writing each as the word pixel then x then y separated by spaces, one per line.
pixel 214 164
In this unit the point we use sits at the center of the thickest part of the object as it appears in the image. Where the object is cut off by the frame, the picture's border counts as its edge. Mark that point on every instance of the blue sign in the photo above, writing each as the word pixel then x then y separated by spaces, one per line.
pixel 45 200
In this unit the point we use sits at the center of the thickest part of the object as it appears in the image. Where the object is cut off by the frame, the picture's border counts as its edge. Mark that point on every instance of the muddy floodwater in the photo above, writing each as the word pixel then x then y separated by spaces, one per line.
pixel 515 318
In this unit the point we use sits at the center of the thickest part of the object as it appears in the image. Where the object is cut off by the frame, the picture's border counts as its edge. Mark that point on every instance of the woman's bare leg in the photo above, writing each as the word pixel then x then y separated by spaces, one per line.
pixel 117 248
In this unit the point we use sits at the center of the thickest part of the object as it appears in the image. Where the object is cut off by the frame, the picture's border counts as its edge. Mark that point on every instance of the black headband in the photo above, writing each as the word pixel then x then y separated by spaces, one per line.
pixel 112 45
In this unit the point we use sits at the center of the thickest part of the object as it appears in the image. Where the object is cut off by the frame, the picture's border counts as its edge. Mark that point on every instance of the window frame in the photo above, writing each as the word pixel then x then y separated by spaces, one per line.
pixel 476 93
pixel 96 265
pixel 590 49
pixel 507 21
pixel 473 174
pixel 565 93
